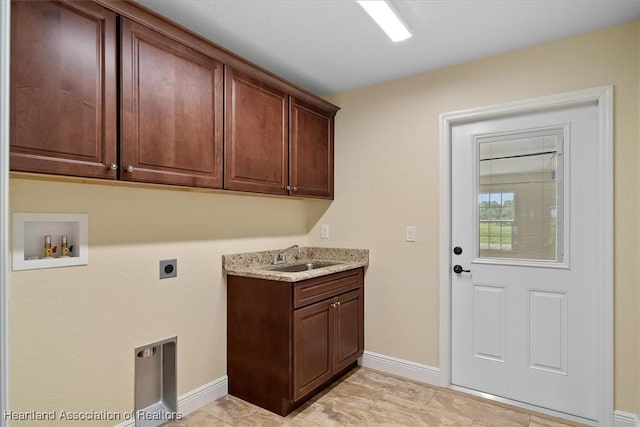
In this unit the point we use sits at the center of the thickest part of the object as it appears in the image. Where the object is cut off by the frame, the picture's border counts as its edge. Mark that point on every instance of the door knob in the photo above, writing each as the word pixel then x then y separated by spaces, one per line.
pixel 458 269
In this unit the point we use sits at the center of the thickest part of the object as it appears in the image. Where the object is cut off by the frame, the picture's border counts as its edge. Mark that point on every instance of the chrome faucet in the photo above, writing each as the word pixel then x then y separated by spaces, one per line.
pixel 281 258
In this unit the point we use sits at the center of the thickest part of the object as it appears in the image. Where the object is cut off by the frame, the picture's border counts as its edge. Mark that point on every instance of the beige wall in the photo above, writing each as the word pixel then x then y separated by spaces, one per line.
pixel 387 177
pixel 73 330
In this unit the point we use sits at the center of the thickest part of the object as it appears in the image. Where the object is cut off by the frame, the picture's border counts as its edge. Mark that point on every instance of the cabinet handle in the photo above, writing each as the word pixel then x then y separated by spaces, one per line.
pixel 288 188
pixel 130 169
pixel 112 166
pixel 337 302
pixel 295 188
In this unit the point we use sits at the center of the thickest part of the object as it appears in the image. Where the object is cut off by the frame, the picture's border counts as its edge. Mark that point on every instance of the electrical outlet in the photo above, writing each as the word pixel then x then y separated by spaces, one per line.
pixel 324 233
pixel 411 233
pixel 168 268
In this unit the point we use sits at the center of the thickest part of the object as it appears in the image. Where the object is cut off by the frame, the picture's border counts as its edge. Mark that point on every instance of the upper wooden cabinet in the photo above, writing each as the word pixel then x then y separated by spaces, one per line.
pixel 256 135
pixel 171 106
pixel 275 143
pixel 311 139
pixel 63 88
pixel 190 113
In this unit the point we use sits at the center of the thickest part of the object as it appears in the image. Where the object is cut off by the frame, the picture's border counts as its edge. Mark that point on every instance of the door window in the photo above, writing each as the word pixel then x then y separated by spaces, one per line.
pixel 519 195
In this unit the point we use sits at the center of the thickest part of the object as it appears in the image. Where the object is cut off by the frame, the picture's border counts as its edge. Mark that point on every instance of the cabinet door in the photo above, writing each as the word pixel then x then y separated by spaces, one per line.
pixel 349 328
pixel 256 135
pixel 311 151
pixel 312 347
pixel 63 88
pixel 171 111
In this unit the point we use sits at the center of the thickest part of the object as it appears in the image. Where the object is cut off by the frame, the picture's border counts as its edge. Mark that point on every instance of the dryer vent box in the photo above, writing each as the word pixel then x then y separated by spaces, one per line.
pixel 156 399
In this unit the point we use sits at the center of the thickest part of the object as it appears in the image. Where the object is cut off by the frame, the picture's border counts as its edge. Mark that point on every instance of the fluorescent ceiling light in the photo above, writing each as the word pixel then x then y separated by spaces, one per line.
pixel 386 18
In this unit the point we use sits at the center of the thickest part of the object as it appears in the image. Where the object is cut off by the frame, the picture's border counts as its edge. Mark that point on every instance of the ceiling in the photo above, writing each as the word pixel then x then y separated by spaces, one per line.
pixel 329 46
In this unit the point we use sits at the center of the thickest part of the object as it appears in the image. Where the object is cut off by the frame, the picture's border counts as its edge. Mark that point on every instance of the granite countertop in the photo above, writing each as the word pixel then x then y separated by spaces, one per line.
pixel 259 264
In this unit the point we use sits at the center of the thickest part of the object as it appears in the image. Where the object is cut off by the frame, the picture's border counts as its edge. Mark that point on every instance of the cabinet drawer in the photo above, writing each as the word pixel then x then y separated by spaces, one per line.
pixel 315 290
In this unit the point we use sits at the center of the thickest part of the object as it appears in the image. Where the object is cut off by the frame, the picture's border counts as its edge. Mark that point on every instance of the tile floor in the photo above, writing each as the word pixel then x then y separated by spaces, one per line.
pixel 369 398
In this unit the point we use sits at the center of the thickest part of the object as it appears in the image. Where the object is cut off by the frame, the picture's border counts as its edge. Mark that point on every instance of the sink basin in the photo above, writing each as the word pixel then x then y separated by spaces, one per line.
pixel 303 267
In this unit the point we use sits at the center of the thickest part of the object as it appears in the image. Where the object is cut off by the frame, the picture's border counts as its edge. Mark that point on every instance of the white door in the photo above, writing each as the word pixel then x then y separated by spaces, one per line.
pixel 524 232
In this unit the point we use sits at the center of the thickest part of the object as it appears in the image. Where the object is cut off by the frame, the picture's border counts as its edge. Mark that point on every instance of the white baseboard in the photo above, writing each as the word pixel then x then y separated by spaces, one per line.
pixel 197 398
pixel 625 419
pixel 401 368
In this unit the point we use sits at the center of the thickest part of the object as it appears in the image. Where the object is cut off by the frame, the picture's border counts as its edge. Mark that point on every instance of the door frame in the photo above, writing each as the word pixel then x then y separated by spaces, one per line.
pixel 603 97
pixel 5 53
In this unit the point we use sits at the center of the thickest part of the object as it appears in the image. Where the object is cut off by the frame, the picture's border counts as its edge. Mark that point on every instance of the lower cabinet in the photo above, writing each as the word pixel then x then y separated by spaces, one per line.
pixel 327 340
pixel 286 340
